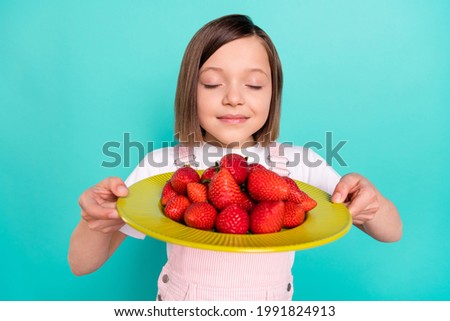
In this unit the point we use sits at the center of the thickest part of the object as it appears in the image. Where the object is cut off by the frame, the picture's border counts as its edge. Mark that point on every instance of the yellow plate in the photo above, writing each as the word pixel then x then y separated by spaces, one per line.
pixel 142 210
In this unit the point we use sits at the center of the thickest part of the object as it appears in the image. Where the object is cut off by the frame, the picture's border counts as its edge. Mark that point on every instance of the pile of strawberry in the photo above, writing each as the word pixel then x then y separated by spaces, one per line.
pixel 235 197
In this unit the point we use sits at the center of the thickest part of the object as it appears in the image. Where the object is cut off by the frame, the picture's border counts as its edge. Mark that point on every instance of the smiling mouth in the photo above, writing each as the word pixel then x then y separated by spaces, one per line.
pixel 233 119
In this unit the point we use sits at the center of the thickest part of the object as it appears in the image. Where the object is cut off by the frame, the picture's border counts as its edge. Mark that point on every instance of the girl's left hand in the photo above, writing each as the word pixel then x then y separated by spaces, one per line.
pixel 359 195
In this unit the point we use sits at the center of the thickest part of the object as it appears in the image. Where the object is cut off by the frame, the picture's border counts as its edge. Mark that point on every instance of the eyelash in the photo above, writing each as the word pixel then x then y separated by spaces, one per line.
pixel 215 86
pixel 210 86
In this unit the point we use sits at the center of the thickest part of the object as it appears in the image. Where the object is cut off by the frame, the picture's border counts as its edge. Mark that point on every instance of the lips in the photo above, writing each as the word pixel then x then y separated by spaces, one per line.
pixel 233 119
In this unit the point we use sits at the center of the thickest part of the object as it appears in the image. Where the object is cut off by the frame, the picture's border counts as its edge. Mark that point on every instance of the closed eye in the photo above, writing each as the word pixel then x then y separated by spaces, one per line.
pixel 254 87
pixel 207 86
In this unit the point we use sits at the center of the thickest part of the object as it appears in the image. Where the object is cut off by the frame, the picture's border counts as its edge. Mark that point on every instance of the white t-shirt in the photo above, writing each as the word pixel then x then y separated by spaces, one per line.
pixel 303 164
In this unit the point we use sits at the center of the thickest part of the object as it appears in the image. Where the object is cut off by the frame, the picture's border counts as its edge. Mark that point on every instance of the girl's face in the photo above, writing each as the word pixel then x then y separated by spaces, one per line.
pixel 234 92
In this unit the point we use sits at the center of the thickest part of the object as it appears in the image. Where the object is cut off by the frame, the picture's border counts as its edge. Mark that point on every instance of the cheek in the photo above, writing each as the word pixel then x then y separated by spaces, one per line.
pixel 263 103
pixel 203 113
pixel 264 115
pixel 204 99
pixel 201 116
pixel 201 103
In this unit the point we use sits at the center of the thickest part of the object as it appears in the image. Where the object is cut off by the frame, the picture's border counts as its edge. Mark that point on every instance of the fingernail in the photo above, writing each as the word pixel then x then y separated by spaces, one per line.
pixel 113 215
pixel 122 190
pixel 337 198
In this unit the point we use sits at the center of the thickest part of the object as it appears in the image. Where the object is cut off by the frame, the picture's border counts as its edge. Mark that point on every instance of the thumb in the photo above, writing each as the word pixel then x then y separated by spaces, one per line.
pixel 116 186
pixel 342 190
pixel 121 190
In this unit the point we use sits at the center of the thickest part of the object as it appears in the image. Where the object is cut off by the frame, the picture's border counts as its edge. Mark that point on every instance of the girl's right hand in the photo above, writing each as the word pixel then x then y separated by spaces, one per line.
pixel 98 205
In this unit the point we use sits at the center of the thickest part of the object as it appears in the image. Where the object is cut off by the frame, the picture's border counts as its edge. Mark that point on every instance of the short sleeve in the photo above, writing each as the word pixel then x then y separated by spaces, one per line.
pixel 324 177
pixel 307 166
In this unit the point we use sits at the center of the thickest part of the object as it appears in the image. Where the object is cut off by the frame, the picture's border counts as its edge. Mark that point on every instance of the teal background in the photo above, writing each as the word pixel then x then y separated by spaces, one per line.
pixel 77 74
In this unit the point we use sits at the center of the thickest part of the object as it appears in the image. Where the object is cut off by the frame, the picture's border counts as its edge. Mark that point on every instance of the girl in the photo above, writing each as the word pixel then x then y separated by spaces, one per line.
pixel 228 99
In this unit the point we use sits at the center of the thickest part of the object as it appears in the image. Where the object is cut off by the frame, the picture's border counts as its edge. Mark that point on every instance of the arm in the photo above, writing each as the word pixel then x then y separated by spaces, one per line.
pixel 89 249
pixel 96 237
pixel 370 210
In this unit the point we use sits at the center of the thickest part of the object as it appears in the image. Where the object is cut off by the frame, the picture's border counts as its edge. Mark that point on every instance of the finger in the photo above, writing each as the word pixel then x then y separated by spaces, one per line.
pixel 371 209
pixel 113 215
pixel 358 222
pixel 92 210
pixel 362 201
pixel 344 188
pixel 361 219
pixel 115 185
pixel 365 214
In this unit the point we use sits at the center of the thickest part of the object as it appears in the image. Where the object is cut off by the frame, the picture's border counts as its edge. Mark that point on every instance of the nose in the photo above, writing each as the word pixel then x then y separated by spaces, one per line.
pixel 233 96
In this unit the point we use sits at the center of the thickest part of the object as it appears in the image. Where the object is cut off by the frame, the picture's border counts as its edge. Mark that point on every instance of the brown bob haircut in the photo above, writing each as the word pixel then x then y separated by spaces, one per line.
pixel 205 42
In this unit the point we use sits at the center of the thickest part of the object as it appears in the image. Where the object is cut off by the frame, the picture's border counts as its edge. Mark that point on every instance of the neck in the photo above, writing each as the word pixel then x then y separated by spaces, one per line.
pixel 215 142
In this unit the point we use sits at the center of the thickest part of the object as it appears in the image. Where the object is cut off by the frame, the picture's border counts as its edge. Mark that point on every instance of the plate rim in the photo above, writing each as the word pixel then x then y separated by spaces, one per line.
pixel 227 248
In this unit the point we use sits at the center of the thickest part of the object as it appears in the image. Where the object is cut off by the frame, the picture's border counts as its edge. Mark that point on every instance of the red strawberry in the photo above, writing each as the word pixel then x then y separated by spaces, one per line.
pixel 308 203
pixel 233 220
pixel 167 193
pixel 267 217
pixel 182 177
pixel 200 215
pixel 197 192
pixel 253 166
pixel 295 194
pixel 208 174
pixel 245 202
pixel 237 165
pixel 176 207
pixel 294 214
pixel 298 196
pixel 265 185
pixel 223 190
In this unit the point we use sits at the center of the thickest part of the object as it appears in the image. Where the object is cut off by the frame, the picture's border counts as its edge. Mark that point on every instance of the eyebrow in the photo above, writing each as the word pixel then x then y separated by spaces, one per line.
pixel 221 70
